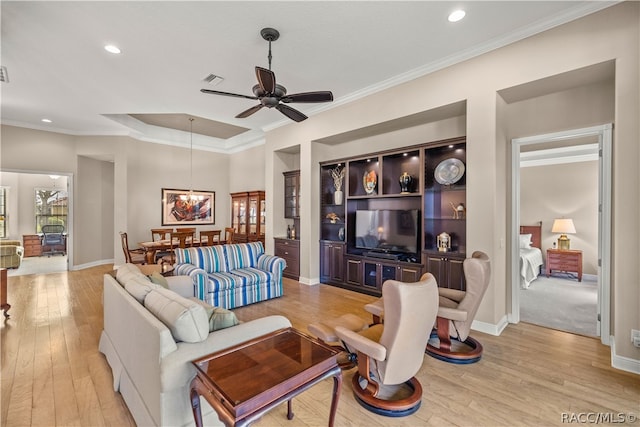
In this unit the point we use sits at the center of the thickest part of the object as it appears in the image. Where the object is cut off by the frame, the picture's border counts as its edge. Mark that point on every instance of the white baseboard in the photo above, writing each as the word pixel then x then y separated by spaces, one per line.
pixel 91 264
pixel 308 281
pixel 621 362
pixel 489 328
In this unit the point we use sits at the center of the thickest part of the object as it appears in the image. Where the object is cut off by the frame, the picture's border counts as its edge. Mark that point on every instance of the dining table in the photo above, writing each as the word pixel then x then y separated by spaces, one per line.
pixel 153 247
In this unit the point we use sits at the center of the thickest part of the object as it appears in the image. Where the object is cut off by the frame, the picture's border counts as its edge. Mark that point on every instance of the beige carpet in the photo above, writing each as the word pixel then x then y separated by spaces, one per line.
pixel 40 265
pixel 561 303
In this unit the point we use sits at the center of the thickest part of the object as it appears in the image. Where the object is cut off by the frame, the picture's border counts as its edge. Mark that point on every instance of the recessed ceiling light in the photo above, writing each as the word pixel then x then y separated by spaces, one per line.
pixel 112 49
pixel 456 15
pixel 47 120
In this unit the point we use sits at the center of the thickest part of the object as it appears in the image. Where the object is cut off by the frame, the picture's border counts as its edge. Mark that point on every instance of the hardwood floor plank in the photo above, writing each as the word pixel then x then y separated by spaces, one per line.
pixel 52 372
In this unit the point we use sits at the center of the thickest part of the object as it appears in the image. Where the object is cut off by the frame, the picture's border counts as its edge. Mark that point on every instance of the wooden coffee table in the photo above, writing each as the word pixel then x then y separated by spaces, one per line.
pixel 243 382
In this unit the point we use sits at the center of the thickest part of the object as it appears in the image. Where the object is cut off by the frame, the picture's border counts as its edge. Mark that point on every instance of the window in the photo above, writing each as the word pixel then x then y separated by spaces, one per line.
pixel 3 212
pixel 52 207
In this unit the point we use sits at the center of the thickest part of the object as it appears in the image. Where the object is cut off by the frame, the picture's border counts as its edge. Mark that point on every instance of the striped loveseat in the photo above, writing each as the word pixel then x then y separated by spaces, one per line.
pixel 233 275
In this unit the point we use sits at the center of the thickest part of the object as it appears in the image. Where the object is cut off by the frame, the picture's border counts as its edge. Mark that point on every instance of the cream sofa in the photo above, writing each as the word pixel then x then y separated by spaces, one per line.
pixel 11 252
pixel 151 369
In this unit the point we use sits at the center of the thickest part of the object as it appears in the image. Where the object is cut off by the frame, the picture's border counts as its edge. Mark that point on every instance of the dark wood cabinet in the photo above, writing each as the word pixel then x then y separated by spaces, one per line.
pixel 375 273
pixel 292 194
pixel 248 216
pixel 354 271
pixel 289 249
pixel 32 245
pixel 427 180
pixel 331 262
pixel 447 269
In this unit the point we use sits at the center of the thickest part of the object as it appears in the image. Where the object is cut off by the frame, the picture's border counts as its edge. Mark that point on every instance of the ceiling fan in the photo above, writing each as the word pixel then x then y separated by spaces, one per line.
pixel 270 94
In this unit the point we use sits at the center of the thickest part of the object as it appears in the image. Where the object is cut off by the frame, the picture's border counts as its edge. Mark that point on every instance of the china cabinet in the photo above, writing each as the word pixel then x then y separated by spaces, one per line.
pixel 248 216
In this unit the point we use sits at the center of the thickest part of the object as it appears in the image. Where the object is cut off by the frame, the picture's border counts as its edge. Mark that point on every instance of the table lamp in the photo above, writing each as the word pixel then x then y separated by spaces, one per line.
pixel 563 226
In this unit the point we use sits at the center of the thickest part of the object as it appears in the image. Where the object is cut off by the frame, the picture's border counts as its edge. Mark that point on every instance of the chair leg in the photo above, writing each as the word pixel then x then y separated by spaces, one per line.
pixel 368 398
pixel 443 351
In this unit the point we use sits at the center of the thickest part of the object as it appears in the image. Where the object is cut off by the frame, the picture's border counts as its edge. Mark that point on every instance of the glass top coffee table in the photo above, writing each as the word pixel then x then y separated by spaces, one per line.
pixel 245 381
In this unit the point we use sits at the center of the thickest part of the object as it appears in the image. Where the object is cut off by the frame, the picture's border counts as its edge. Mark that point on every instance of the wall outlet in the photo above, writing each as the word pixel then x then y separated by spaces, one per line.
pixel 635 337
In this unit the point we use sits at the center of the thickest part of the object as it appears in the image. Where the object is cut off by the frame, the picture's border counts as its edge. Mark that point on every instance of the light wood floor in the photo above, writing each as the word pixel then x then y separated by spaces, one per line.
pixel 53 374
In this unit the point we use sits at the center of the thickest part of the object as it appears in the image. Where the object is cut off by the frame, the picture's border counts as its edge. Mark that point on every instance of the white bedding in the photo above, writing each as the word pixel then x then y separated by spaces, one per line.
pixel 530 262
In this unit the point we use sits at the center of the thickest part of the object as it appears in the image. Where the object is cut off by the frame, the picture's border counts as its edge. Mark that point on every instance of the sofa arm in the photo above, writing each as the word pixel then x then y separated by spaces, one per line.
pixel 271 263
pixel 198 275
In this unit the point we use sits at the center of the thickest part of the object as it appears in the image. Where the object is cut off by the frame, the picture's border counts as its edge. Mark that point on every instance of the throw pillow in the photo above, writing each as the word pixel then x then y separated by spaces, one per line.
pixel 219 318
pixel 186 320
pixel 139 287
pixel 525 241
pixel 159 279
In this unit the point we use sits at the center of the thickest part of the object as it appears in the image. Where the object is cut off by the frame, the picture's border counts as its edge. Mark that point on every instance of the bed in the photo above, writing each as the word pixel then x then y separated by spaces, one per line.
pixel 530 253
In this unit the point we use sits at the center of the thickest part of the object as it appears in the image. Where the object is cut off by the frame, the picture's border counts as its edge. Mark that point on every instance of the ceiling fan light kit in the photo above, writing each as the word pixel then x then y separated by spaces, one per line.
pixel 270 94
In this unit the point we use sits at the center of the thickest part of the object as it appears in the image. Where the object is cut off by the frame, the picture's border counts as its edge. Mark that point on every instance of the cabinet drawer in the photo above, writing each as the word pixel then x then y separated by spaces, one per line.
pixel 563 264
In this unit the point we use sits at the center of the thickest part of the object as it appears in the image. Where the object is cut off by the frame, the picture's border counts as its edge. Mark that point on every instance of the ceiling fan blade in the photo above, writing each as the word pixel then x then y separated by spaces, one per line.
pixel 292 113
pixel 266 79
pixel 248 112
pixel 319 96
pixel 217 92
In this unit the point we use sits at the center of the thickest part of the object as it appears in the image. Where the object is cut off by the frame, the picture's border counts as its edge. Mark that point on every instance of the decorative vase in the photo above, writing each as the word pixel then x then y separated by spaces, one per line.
pixel 405 183
pixel 337 197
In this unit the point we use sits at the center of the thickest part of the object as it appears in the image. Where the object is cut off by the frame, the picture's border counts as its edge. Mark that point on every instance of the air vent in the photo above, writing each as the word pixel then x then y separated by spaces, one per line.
pixel 212 79
pixel 4 76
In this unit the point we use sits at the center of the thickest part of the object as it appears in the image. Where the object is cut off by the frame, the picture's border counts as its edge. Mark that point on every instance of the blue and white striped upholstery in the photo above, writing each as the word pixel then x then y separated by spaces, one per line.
pixel 232 276
pixel 243 255
pixel 211 259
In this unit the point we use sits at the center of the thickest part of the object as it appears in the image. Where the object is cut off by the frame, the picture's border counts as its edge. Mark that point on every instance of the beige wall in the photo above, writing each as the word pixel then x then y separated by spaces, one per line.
pixel 117 183
pixel 612 34
pixel 563 191
pixel 141 169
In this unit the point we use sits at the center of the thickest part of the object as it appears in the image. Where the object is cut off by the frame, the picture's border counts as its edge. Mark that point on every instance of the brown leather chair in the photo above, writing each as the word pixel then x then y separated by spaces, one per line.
pixel 132 256
pixel 456 313
pixel 210 237
pixel 389 355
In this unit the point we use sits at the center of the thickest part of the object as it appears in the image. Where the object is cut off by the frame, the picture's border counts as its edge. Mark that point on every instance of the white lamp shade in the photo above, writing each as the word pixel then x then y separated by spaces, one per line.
pixel 563 226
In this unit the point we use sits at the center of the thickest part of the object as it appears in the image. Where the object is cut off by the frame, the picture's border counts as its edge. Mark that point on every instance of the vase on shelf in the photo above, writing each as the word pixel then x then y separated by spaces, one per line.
pixel 337 197
pixel 405 183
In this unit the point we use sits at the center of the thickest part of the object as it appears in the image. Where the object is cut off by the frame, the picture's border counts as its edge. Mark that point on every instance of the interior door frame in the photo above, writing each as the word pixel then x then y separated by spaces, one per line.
pixel 70 217
pixel 604 134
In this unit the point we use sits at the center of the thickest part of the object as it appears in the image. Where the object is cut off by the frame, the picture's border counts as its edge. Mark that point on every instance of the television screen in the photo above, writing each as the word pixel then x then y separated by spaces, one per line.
pixel 387 230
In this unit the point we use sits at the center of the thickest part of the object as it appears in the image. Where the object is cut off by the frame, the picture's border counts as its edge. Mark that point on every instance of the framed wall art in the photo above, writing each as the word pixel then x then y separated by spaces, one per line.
pixel 185 207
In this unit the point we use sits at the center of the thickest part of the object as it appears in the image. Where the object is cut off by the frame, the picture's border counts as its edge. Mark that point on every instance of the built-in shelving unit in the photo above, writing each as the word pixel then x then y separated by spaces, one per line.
pixel 372 182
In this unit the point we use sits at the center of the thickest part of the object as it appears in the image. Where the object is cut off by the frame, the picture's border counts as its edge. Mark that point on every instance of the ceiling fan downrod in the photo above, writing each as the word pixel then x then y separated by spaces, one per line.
pixel 270 35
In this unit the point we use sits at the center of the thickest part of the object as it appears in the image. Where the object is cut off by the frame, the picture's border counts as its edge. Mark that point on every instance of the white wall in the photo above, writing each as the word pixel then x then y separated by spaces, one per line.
pixel 563 191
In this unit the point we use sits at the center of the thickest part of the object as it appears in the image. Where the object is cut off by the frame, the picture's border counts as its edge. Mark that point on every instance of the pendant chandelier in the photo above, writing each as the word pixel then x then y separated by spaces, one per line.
pixel 191 199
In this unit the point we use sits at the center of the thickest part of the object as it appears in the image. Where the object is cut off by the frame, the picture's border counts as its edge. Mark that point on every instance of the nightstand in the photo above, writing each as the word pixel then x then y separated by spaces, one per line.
pixel 564 260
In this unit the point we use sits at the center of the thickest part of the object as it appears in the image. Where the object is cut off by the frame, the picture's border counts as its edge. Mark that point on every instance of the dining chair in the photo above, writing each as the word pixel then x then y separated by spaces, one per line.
pixel 132 256
pixel 210 237
pixel 228 236
pixel 179 240
pixel 160 234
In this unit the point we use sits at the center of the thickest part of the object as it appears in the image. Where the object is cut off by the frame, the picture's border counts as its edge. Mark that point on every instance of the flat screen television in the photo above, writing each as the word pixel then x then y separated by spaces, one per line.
pixel 387 230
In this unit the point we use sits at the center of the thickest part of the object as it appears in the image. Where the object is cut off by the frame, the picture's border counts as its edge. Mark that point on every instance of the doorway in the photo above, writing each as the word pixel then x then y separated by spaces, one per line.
pixel 35 199
pixel 602 137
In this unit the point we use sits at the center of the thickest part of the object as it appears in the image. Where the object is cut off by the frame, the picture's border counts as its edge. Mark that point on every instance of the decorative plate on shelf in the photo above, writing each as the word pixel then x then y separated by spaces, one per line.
pixel 449 171
pixel 369 181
